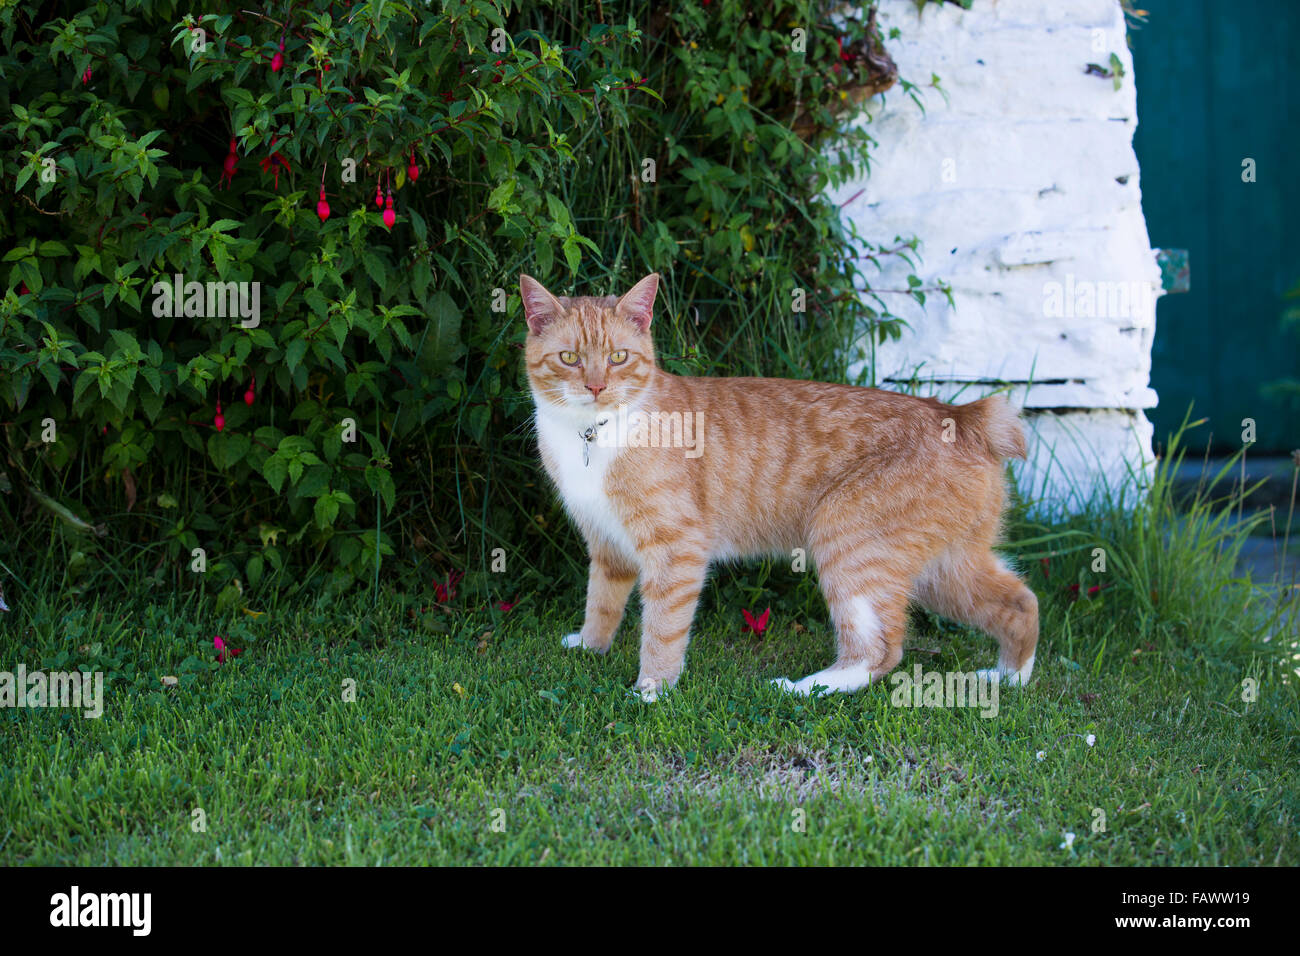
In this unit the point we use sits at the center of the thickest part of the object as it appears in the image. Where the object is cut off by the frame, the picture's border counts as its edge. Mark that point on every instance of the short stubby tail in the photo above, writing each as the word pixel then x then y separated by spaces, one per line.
pixel 997 424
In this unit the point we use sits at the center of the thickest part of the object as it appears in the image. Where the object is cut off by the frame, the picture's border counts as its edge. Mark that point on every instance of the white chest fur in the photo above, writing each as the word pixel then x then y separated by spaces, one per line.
pixel 581 478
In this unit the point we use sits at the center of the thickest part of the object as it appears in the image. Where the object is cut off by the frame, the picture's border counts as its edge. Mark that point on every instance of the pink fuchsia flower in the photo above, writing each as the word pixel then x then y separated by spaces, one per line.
pixel 1092 592
pixel 445 591
pixel 757 626
pixel 274 162
pixel 224 651
pixel 228 167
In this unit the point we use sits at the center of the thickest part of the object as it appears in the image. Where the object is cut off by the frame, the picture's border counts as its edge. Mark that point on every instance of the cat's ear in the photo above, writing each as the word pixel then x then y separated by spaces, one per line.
pixel 540 307
pixel 637 306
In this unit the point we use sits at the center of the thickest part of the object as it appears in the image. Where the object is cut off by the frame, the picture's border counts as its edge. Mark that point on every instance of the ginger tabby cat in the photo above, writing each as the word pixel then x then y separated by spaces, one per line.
pixel 895 498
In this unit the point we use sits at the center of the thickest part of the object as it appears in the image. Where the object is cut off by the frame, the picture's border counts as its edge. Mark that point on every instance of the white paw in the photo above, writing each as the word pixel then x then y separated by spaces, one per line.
pixel 648 688
pixel 798 688
pixel 833 680
pixel 570 641
pixel 1008 677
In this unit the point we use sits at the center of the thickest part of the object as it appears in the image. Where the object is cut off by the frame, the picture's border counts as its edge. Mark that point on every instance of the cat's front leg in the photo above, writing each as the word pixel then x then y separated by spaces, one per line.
pixel 671 581
pixel 609 582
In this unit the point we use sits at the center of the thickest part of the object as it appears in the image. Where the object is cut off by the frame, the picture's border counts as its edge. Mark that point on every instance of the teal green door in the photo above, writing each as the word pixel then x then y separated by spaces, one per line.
pixel 1217 84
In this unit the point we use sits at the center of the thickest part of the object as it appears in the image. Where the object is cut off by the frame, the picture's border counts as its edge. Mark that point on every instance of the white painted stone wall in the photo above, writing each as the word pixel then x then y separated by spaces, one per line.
pixel 1023 188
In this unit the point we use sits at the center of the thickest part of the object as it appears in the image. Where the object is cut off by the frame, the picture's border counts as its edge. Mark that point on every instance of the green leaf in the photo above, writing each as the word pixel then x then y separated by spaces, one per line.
pixel 501 195
pixel 275 471
pixel 572 254
pixel 327 509
pixel 375 269
pixel 544 255
pixel 442 344
pixel 293 355
pixel 420 278
pixel 253 570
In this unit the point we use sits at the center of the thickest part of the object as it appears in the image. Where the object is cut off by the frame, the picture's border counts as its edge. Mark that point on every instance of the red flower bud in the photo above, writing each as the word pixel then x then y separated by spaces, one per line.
pixel 323 208
pixel 85 77
pixel 219 420
pixel 390 217
pixel 379 197
pixel 277 62
pixel 412 171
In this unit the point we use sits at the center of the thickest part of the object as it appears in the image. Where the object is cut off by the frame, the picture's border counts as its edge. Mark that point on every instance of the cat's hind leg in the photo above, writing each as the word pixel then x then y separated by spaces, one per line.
pixel 865 577
pixel 869 636
pixel 972 585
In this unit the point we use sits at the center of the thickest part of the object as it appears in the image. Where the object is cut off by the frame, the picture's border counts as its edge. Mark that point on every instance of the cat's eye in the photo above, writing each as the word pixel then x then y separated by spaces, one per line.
pixel 569 358
pixel 618 358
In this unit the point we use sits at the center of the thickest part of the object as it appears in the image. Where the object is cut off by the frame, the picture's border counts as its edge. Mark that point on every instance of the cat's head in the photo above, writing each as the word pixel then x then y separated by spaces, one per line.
pixel 589 353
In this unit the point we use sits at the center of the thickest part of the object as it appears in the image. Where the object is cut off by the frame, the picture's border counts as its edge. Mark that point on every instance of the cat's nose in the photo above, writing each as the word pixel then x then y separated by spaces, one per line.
pixel 596 390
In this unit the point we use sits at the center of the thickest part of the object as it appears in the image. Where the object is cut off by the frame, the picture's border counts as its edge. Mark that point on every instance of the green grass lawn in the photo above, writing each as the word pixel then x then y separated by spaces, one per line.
pixel 451 733
pixel 475 738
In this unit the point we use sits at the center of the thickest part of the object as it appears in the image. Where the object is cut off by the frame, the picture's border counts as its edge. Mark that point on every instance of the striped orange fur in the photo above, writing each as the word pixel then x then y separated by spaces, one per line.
pixel 894 498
